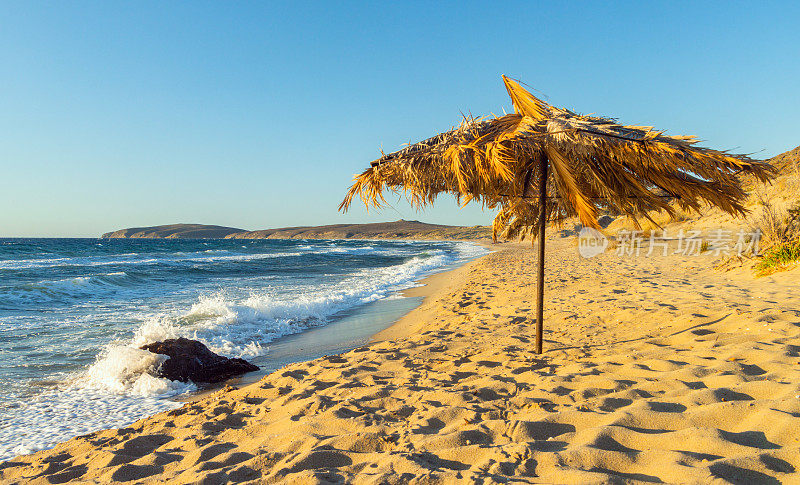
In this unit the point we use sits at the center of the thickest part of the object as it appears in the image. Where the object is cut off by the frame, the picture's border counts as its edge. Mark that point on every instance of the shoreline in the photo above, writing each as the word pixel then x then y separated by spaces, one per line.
pixel 423 290
pixel 655 370
pixel 428 288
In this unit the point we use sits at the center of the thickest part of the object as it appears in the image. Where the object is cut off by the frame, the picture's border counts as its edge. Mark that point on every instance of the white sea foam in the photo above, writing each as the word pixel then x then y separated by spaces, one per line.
pixel 119 388
pixel 155 329
pixel 352 250
pixel 243 327
pixel 128 370
pixel 228 326
pixel 55 416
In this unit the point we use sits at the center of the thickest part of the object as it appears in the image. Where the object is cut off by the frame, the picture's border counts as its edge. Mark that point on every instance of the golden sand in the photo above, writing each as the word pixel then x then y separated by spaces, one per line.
pixel 655 370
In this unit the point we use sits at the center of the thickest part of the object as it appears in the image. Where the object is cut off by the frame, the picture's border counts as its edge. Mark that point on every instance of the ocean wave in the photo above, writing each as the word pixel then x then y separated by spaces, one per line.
pixel 120 260
pixel 48 291
pixel 244 326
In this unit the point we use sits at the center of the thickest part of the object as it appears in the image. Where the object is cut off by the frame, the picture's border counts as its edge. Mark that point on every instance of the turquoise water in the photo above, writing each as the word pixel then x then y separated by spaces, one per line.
pixel 73 313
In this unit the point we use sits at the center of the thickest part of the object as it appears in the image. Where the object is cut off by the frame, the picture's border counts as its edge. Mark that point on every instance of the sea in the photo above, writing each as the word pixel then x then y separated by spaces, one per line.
pixel 74 312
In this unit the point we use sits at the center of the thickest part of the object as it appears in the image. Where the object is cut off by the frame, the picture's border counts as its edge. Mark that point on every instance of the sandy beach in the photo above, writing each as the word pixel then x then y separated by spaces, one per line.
pixel 391 243
pixel 655 370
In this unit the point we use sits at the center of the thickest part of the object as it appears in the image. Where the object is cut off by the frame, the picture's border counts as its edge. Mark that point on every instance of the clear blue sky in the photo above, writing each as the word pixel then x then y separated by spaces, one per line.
pixel 256 115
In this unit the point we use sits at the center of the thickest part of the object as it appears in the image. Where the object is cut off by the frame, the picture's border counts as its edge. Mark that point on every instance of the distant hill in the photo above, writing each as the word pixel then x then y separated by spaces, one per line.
pixel 401 229
pixel 175 231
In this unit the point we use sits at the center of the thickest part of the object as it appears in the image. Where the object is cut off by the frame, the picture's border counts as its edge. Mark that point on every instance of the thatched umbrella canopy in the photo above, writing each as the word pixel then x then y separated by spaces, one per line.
pixel 543 164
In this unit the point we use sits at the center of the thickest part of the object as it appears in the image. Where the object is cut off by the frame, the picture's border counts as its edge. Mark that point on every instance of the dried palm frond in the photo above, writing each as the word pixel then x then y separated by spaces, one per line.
pixel 595 163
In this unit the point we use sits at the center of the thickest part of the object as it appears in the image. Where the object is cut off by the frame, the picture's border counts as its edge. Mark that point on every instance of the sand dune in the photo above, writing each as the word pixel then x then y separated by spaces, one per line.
pixel 655 370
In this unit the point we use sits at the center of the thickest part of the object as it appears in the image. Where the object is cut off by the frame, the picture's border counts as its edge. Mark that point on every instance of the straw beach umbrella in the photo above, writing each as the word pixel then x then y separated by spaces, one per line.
pixel 544 164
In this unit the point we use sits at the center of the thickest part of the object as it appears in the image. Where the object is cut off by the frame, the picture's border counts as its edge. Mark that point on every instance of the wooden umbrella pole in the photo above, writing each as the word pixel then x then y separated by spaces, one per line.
pixel 542 225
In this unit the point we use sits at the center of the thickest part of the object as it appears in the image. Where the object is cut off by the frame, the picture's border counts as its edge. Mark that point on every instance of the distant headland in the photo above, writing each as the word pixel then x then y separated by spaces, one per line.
pixel 401 229
pixel 174 231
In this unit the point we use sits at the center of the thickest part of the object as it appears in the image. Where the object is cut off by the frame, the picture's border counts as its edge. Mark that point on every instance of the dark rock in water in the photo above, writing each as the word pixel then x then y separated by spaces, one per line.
pixel 190 360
